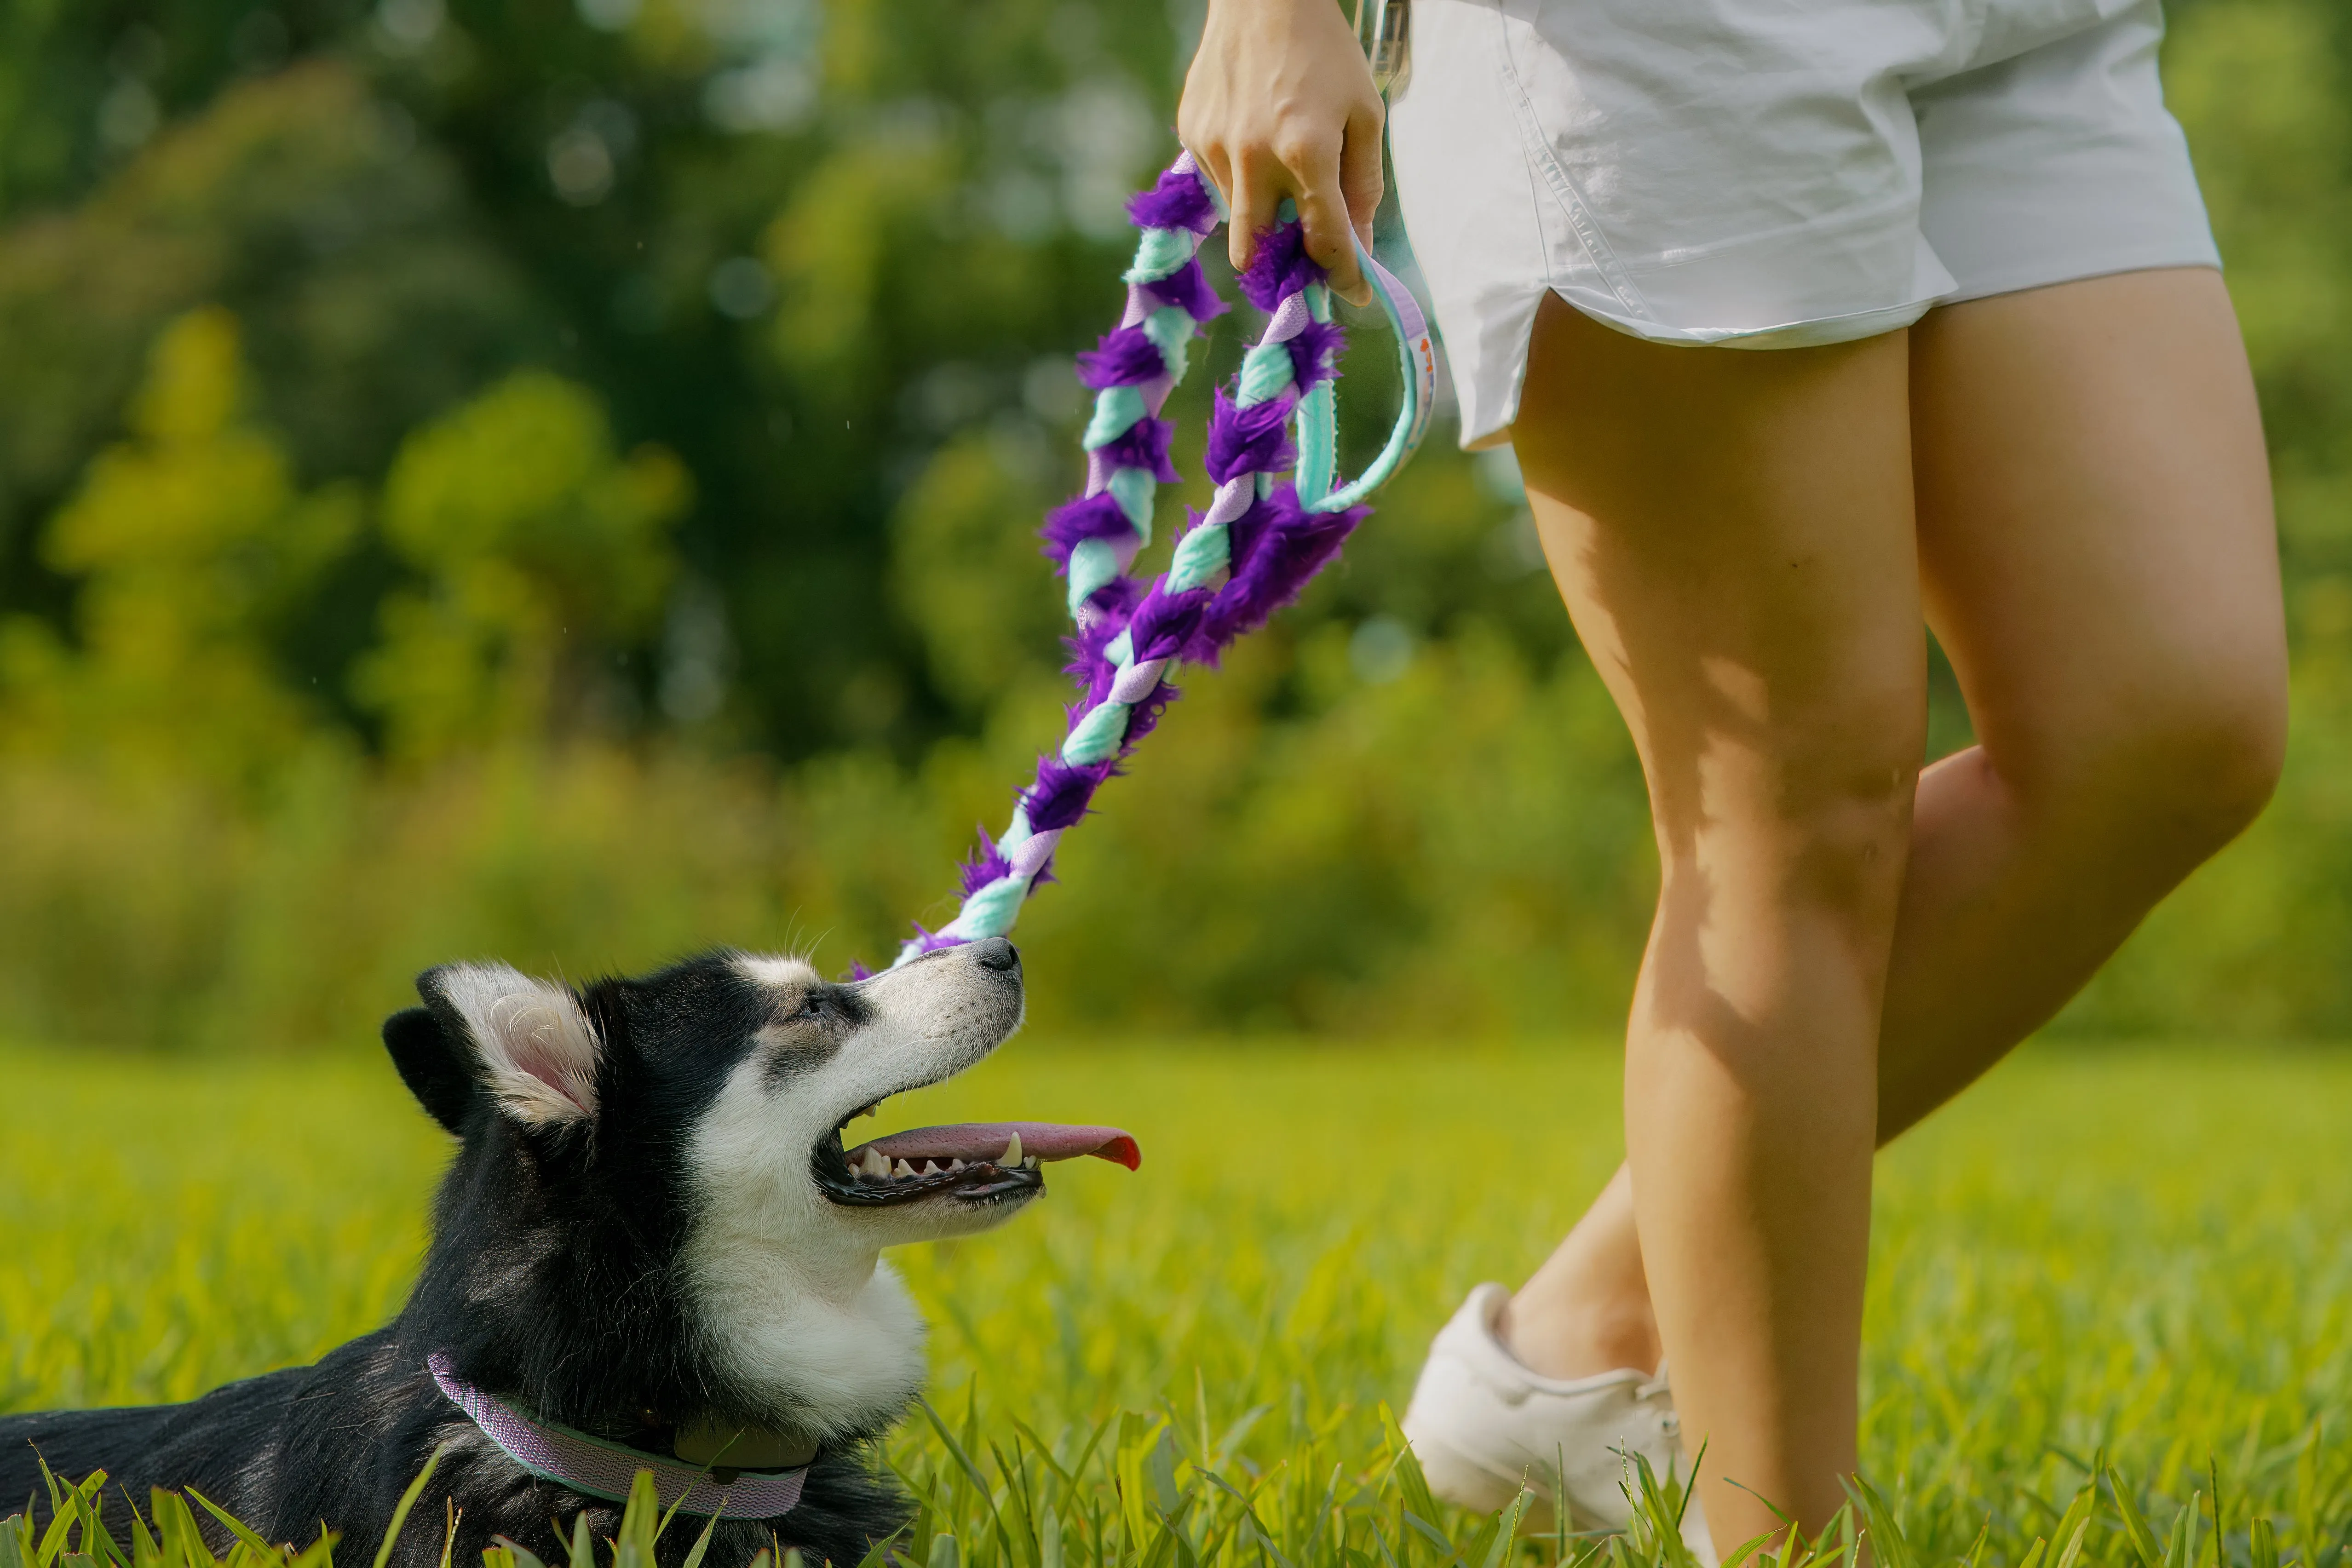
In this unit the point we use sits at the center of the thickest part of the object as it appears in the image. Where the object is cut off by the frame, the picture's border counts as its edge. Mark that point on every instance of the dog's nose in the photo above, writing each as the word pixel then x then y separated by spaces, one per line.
pixel 996 953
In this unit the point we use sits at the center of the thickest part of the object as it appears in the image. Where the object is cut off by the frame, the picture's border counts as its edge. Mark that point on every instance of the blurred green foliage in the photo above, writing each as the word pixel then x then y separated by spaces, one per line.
pixel 556 479
pixel 536 547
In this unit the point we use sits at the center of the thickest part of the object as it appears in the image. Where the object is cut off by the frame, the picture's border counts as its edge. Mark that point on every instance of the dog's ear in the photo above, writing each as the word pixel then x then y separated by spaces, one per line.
pixel 433 1065
pixel 489 1030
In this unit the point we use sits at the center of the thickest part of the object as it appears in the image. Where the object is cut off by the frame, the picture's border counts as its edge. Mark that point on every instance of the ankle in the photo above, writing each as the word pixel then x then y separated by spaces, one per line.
pixel 1579 1339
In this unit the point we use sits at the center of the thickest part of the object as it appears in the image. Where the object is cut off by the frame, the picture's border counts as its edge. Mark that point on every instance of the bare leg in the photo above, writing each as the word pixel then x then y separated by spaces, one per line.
pixel 2100 561
pixel 2096 547
pixel 1586 1309
pixel 1734 536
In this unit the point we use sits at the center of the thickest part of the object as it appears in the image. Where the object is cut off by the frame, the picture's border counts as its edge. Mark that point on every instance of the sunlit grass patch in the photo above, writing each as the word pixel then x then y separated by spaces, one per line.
pixel 2144 1254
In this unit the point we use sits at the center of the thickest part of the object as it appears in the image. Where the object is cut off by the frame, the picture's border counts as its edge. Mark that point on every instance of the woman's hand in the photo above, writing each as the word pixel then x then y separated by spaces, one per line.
pixel 1279 102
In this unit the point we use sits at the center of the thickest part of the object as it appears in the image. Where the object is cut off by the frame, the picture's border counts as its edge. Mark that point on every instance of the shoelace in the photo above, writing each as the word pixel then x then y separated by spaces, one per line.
pixel 1659 1391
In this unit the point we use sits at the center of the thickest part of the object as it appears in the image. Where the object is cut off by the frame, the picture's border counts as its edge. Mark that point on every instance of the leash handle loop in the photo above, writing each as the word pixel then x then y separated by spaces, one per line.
pixel 1416 375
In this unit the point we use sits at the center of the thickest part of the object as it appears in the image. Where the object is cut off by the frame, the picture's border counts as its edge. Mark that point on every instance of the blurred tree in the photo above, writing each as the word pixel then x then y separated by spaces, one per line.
pixel 544 556
pixel 966 571
pixel 301 202
pixel 2263 88
pixel 193 548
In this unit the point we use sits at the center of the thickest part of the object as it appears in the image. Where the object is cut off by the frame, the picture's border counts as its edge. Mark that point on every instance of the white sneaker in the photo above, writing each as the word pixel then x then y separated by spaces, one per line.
pixel 1480 1423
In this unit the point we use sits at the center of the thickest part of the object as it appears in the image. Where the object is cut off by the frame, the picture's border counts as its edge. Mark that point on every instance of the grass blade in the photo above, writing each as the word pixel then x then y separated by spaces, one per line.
pixel 400 1511
pixel 237 1527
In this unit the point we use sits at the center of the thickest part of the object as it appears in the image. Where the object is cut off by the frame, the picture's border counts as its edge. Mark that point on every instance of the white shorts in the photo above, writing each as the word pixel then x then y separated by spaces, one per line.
pixel 1772 173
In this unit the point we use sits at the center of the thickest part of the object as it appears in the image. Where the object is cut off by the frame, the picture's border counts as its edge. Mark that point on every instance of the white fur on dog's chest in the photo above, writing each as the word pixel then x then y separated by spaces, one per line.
pixel 840 1365
pixel 791 1294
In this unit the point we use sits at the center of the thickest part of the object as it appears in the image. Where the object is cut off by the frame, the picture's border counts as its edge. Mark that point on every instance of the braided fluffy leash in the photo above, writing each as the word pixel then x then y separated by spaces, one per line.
pixel 1255 549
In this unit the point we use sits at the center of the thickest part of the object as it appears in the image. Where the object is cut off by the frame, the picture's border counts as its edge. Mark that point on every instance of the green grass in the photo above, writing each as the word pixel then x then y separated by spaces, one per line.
pixel 2143 1253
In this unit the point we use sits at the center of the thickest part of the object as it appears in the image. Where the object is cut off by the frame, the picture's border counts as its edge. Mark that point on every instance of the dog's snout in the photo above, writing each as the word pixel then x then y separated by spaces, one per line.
pixel 996 953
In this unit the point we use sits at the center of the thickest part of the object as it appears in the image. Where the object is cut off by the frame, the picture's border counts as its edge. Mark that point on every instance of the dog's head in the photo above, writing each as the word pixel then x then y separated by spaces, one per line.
pixel 683 1131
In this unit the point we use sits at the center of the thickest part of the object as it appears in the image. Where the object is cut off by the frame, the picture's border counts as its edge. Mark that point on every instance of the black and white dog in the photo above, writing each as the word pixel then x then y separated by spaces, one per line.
pixel 651 1249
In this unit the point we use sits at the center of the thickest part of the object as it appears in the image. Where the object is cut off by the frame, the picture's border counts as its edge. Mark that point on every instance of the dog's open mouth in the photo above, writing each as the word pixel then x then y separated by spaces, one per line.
pixel 971 1162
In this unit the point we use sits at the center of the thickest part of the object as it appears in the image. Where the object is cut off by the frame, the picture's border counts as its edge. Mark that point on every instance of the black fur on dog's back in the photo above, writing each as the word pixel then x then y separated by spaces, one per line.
pixel 283 1454
pixel 553 1280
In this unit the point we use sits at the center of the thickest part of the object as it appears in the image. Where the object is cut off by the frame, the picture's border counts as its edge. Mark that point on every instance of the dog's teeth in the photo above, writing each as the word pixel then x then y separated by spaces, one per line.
pixel 1011 1153
pixel 874 1165
pixel 902 1169
pixel 1030 1164
pixel 955 1165
pixel 931 1167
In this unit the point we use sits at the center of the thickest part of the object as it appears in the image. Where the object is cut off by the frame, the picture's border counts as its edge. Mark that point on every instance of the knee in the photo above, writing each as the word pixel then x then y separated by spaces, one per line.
pixel 1823 823
pixel 2213 765
pixel 1850 836
pixel 2186 767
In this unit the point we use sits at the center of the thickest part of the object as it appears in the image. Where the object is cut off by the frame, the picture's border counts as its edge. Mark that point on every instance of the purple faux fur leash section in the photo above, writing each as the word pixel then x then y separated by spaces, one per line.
pixel 1180 201
pixel 1278 546
pixel 985 865
pixel 1059 797
pixel 1315 353
pixel 1278 269
pixel 1126 357
pixel 1188 289
pixel 1096 517
pixel 1091 668
pixel 1145 446
pixel 1248 440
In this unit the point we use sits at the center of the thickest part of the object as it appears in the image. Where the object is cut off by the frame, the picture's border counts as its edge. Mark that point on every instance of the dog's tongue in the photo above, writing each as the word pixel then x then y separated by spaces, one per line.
pixel 989 1140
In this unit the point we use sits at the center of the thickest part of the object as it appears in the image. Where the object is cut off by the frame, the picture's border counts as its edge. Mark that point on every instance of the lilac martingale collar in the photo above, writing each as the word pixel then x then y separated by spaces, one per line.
pixel 605 1469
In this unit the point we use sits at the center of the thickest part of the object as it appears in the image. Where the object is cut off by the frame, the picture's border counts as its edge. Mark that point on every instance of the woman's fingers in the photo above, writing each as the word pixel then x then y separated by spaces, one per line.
pixel 1214 163
pixel 1328 183
pixel 1253 198
pixel 1360 179
pixel 1323 209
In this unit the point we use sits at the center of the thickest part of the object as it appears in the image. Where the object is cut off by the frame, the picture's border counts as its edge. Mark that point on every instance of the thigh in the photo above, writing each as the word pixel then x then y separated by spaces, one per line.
pixel 1733 534
pixel 2095 531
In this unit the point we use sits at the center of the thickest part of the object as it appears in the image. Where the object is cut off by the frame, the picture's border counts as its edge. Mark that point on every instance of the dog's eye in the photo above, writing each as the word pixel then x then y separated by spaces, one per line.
pixel 812 1007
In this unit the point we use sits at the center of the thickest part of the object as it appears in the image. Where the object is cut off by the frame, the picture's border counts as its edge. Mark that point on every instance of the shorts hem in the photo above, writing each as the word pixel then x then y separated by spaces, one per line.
pixel 2024 280
pixel 1810 333
pixel 1822 332
pixel 1807 332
